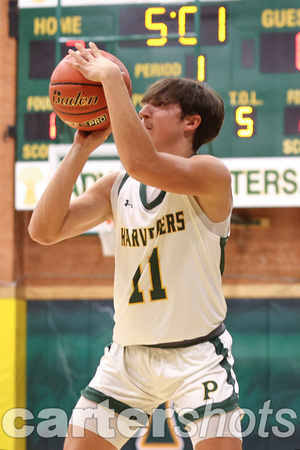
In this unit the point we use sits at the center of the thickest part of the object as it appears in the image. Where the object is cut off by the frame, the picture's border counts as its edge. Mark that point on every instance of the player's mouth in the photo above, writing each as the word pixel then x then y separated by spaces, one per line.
pixel 147 126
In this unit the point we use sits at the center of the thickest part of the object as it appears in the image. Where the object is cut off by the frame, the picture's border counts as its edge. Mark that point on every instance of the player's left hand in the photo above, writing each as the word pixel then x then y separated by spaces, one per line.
pixel 91 140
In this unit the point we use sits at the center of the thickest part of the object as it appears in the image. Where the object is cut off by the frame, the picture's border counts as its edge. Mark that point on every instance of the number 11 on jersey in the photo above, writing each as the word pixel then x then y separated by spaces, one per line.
pixel 158 292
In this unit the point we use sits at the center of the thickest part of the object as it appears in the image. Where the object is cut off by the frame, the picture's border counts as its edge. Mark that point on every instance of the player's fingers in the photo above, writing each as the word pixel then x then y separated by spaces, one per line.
pixel 76 56
pixel 73 63
pixel 95 50
pixel 83 52
pixel 76 61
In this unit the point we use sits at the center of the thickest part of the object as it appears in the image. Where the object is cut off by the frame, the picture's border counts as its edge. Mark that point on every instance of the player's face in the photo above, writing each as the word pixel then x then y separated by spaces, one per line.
pixel 163 123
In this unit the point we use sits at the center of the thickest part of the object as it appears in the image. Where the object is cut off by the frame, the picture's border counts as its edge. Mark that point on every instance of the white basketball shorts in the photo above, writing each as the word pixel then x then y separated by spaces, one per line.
pixel 131 382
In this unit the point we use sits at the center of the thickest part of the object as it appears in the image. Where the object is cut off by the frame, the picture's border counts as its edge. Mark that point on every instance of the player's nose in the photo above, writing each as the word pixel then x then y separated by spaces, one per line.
pixel 145 112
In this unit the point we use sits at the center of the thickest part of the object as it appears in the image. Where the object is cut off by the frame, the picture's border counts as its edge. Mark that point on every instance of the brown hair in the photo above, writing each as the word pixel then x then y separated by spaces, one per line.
pixel 194 98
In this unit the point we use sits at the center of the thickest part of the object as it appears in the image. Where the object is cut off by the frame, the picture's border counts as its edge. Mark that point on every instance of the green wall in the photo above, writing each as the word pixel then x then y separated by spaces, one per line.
pixel 65 340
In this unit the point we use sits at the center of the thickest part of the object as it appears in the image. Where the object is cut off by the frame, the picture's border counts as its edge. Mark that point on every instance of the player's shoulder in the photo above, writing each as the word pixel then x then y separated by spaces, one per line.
pixel 209 161
pixel 106 182
pixel 112 176
pixel 205 157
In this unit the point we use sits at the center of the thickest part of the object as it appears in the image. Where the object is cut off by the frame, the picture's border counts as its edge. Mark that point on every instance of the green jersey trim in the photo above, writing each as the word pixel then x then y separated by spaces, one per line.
pixel 223 241
pixel 157 201
pixel 124 179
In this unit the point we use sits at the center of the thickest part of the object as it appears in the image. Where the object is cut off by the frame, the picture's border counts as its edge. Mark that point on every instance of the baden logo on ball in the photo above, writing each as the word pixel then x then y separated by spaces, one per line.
pixel 79 102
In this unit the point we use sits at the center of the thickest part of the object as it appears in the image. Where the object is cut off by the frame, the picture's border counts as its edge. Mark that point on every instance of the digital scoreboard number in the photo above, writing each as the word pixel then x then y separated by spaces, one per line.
pixel 249 52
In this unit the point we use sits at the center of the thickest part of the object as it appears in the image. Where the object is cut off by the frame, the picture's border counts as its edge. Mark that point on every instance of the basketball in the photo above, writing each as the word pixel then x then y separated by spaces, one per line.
pixel 79 102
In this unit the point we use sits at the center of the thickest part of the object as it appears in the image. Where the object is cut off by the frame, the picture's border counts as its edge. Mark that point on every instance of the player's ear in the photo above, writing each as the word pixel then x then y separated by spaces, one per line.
pixel 193 121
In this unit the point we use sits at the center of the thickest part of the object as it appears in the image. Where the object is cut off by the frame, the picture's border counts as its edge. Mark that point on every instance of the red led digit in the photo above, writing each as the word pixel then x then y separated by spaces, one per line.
pixel 297 51
pixel 52 126
pixel 77 41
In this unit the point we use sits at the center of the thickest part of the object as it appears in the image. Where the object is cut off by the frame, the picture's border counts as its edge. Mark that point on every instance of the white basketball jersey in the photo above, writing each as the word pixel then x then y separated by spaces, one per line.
pixel 168 267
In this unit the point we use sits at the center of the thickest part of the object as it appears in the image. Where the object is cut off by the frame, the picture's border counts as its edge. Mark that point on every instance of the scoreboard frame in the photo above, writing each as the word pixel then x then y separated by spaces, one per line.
pixel 247 51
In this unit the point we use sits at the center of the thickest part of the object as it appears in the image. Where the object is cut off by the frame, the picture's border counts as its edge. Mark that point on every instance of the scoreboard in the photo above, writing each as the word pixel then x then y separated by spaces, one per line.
pixel 248 51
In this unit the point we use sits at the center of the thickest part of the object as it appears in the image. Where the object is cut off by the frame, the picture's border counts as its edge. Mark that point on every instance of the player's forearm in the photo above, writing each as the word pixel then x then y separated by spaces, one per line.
pixel 133 142
pixel 52 208
pixel 136 149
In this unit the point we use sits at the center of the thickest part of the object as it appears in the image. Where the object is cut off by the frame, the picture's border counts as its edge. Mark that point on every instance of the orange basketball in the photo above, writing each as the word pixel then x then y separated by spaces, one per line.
pixel 79 102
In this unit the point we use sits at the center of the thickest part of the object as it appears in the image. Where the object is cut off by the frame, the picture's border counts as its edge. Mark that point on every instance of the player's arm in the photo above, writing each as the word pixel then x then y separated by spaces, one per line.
pixel 202 176
pixel 56 217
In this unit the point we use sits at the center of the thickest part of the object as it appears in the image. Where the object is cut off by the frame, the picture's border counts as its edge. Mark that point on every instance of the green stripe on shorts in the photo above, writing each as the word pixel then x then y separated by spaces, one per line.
pixel 221 350
pixel 228 404
pixel 98 397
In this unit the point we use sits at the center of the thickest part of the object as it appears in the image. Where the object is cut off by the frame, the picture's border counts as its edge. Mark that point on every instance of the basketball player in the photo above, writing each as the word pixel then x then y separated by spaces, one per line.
pixel 171 209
